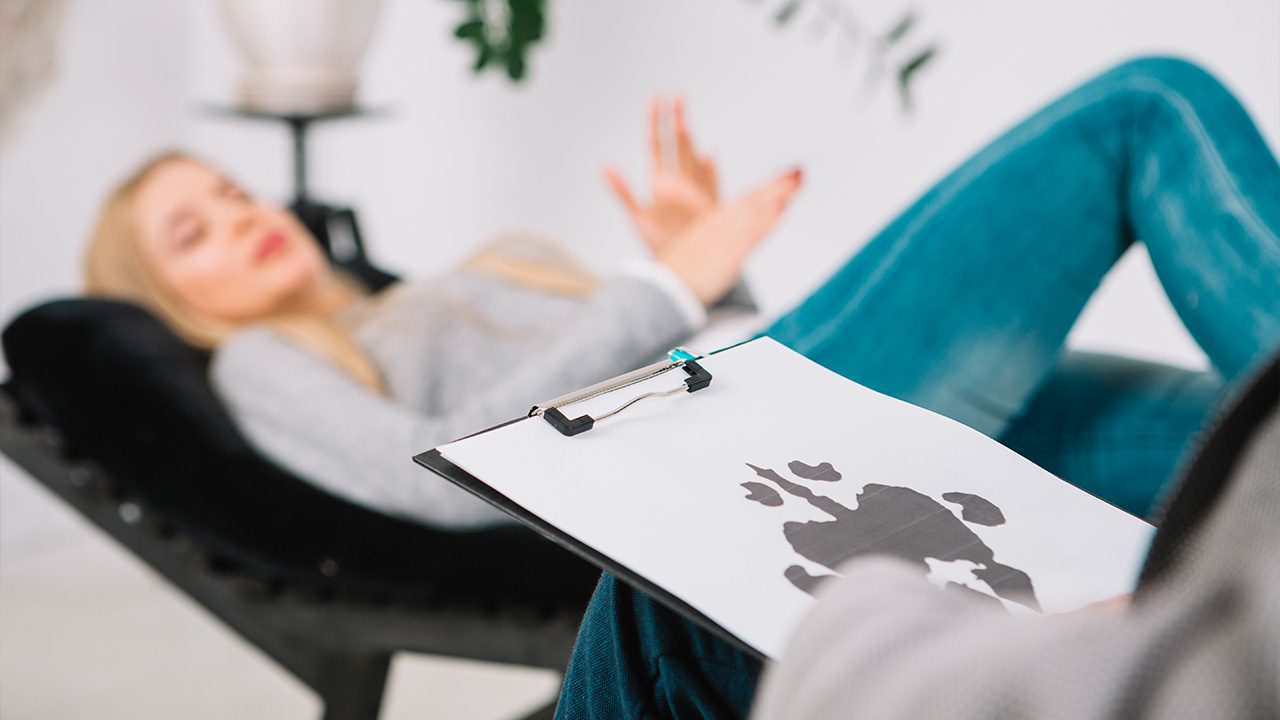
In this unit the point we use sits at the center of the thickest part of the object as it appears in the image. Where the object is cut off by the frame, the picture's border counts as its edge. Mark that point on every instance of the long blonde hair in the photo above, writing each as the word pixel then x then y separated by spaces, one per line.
pixel 116 267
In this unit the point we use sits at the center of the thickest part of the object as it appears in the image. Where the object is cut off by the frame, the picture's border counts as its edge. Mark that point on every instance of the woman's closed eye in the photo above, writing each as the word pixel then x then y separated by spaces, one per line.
pixel 188 235
pixel 231 191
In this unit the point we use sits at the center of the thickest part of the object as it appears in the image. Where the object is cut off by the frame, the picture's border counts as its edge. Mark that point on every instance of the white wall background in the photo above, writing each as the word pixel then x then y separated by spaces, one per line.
pixel 458 159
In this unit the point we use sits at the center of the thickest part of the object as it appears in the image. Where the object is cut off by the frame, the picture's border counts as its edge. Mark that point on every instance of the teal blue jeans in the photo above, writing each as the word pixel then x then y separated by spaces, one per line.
pixel 962 305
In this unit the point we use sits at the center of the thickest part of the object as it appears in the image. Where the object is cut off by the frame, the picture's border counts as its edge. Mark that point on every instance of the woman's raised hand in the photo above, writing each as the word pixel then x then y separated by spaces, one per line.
pixel 709 254
pixel 683 184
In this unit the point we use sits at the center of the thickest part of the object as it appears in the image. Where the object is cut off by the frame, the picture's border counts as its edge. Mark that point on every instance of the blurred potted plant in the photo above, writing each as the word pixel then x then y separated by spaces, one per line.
pixel 303 56
pixel 503 31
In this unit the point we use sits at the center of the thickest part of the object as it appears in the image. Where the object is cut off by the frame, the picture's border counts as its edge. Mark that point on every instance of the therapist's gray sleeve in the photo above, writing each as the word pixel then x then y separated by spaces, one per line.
pixel 883 643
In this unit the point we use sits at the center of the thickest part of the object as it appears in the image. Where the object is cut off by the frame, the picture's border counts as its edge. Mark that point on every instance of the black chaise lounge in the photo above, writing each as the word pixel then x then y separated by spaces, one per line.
pixel 111 411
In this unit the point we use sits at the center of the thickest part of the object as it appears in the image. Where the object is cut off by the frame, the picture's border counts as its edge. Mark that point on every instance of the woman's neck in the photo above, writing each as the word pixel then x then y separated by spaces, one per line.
pixel 324 297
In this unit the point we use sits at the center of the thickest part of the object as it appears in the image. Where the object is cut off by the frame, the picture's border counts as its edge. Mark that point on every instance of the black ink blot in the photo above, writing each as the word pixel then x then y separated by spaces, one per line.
pixel 975 509
pixel 803 580
pixel 822 472
pixel 872 528
pixel 762 494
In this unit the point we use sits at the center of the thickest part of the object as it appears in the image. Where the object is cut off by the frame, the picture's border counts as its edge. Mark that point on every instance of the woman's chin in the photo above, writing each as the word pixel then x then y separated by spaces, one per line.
pixel 306 287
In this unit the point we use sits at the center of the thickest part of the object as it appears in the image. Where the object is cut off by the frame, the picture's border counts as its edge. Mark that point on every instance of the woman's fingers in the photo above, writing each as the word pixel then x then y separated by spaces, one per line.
pixel 671 147
pixel 686 158
pixel 710 254
pixel 775 194
pixel 655 135
pixel 623 191
pixel 700 169
pixel 643 220
pixel 759 210
pixel 707 179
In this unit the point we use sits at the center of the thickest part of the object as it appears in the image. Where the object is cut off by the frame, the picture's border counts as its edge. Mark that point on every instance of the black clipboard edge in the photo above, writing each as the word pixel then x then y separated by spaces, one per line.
pixel 437 463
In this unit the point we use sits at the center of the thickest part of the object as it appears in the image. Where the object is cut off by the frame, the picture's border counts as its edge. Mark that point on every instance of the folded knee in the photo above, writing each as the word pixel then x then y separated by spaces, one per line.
pixel 1163 68
pixel 1163 76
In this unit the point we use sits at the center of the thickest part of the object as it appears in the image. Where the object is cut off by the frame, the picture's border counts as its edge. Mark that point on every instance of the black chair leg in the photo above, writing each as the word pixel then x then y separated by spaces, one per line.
pixel 352 686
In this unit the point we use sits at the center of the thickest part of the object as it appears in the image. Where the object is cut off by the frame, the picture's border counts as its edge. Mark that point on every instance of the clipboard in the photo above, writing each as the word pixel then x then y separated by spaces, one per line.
pixel 697 379
pixel 778 409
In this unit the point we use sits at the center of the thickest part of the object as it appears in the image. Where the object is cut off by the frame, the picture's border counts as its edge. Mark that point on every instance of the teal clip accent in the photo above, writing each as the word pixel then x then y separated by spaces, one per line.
pixel 680 355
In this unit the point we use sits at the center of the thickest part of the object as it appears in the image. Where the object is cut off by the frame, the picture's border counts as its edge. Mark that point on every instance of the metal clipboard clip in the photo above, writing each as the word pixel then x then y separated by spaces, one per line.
pixel 698 378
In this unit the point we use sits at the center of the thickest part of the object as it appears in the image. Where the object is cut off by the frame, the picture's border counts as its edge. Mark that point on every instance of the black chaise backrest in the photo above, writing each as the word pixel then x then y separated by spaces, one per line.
pixel 124 391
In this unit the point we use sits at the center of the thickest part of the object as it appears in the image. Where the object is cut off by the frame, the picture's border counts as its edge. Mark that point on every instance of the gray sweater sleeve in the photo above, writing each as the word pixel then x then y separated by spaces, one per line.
pixel 885 644
pixel 318 422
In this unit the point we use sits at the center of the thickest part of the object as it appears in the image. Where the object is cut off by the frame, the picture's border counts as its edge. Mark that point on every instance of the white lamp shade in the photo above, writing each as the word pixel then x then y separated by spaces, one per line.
pixel 302 56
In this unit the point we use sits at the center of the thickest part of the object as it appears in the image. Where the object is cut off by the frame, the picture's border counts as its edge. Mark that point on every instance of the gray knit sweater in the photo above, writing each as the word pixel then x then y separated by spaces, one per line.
pixel 458 354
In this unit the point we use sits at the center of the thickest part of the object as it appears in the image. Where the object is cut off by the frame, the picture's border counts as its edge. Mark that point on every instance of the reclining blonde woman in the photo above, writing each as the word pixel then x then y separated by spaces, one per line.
pixel 342 387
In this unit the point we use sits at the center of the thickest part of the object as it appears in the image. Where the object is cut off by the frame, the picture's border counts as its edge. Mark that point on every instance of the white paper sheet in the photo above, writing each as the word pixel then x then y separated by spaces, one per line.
pixel 663 488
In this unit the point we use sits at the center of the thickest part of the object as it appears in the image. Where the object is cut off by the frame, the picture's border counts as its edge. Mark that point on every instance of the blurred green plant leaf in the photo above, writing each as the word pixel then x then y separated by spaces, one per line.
pixel 515 68
pixel 502 32
pixel 908 71
pixel 901 28
pixel 469 29
pixel 482 58
pixel 787 11
pixel 873 49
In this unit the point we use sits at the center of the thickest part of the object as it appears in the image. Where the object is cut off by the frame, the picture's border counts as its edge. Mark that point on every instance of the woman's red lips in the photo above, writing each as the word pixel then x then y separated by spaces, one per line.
pixel 270 245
